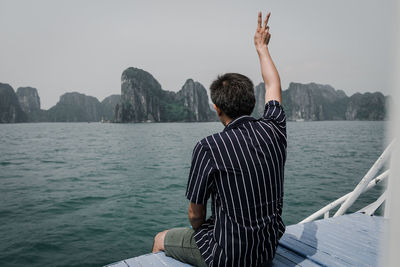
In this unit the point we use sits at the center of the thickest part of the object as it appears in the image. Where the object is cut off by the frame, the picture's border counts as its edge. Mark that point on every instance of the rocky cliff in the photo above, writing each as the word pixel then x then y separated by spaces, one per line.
pixel 143 99
pixel 368 106
pixel 315 102
pixel 72 107
pixel 259 93
pixel 29 99
pixel 141 95
pixel 194 98
pixel 108 107
pixel 10 109
pixel 76 107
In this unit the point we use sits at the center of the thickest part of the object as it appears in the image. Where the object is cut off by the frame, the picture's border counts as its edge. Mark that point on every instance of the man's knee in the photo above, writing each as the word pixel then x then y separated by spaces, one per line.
pixel 159 241
pixel 160 236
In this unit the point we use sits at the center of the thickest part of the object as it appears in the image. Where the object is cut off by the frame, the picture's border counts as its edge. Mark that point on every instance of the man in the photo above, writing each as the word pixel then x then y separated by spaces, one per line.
pixel 241 169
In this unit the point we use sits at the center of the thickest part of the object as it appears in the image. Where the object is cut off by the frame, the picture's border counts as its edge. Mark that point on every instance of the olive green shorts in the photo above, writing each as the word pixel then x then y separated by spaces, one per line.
pixel 179 244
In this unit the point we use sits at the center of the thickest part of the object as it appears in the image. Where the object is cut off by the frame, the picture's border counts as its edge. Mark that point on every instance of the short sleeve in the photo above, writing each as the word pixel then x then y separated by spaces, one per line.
pixel 200 176
pixel 274 112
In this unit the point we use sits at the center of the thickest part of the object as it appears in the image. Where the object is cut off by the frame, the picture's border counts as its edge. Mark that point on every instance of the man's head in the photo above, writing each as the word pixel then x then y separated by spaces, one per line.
pixel 233 96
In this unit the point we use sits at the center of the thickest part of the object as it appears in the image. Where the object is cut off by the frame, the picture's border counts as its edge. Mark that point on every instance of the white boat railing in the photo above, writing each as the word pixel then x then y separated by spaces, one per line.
pixel 366 183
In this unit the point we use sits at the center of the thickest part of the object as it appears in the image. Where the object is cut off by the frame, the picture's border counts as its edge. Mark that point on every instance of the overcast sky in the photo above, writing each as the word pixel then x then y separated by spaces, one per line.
pixel 65 46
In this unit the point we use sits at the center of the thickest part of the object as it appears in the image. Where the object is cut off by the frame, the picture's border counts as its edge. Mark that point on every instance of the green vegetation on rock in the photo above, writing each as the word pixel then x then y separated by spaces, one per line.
pixel 143 99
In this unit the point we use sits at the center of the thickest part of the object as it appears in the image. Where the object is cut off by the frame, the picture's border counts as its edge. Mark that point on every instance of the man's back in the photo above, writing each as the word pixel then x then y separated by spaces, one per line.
pixel 241 168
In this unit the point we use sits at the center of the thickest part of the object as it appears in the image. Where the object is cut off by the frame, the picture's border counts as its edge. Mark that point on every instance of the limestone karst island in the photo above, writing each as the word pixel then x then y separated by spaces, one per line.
pixel 143 99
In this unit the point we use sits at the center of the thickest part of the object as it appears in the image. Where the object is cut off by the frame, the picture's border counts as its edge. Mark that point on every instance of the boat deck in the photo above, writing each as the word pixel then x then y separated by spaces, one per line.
pixel 348 240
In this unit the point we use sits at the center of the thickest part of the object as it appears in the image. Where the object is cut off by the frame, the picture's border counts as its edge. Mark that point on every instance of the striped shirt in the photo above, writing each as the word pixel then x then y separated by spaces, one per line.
pixel 241 169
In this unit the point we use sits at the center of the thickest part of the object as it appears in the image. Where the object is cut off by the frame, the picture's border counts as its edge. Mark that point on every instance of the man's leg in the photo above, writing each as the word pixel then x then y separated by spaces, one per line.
pixel 158 244
pixel 179 244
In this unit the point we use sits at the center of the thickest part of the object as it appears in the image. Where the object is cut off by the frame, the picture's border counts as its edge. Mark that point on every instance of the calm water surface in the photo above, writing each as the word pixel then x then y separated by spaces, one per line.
pixel 88 194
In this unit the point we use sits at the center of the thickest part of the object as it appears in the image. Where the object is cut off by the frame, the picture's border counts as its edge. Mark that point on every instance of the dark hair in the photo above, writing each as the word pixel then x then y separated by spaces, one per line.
pixel 233 93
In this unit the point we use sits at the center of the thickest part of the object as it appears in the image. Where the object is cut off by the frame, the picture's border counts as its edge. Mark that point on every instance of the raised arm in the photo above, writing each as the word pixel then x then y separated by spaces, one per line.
pixel 269 72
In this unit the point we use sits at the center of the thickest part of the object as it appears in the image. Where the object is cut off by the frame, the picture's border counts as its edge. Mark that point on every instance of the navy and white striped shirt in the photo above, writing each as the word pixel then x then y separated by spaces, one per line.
pixel 241 169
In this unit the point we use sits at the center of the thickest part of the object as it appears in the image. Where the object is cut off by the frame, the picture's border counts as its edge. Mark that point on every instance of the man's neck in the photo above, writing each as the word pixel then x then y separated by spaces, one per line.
pixel 225 120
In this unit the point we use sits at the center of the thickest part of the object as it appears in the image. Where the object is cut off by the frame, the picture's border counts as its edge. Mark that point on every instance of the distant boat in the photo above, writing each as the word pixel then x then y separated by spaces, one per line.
pixel 299 120
pixel 343 240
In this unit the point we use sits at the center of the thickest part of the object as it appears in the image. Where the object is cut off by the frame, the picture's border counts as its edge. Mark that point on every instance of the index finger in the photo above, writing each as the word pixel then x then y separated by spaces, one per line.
pixel 266 19
pixel 259 19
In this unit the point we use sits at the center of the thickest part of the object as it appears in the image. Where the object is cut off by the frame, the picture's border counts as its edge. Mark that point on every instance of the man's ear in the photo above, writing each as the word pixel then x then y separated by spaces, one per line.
pixel 218 110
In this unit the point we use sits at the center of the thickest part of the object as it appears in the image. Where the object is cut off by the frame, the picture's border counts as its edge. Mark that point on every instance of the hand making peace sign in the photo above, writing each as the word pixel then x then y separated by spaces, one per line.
pixel 262 35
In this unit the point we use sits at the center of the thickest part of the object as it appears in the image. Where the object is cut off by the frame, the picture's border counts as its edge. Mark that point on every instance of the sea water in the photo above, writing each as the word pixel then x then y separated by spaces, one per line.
pixel 88 194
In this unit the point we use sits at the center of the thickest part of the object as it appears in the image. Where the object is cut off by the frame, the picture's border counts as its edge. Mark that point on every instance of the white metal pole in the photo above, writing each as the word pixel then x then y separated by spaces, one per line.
pixel 365 180
pixel 371 208
pixel 339 201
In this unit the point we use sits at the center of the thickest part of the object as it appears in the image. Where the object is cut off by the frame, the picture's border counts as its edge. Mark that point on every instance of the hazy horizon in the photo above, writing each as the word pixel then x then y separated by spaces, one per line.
pixel 60 47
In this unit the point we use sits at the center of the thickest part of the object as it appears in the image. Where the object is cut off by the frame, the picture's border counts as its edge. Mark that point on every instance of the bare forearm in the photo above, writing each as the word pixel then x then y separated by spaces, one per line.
pixel 197 214
pixel 196 222
pixel 270 76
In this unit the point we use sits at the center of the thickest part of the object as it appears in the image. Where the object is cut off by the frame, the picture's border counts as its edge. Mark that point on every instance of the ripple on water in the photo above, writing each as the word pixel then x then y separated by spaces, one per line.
pixel 6 163
pixel 52 161
pixel 175 186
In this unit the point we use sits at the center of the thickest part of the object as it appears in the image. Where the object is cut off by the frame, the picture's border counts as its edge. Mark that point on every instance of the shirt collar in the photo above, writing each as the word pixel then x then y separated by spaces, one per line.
pixel 238 121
